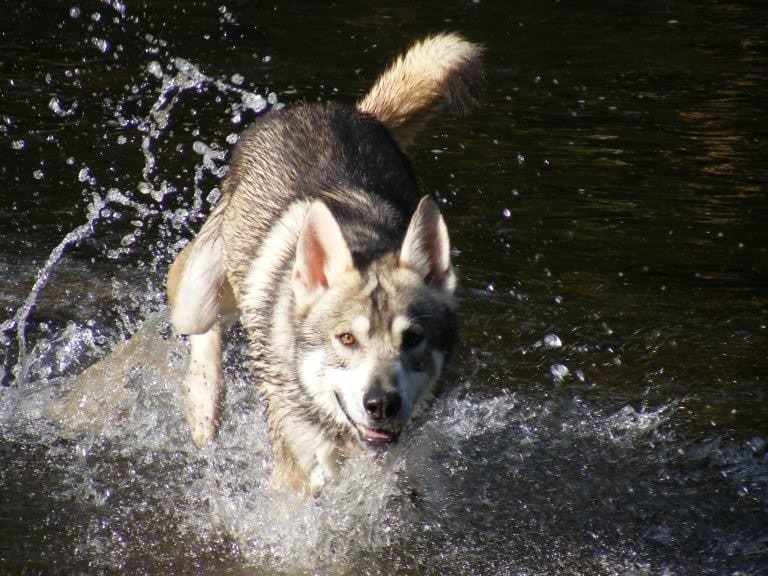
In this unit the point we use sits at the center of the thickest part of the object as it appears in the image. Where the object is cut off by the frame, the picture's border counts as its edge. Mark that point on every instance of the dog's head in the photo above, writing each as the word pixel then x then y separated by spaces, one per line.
pixel 372 343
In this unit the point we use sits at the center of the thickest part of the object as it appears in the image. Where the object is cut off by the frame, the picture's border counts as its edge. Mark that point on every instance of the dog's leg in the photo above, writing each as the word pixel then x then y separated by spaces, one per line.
pixel 202 305
pixel 204 385
pixel 287 474
pixel 327 467
pixel 198 291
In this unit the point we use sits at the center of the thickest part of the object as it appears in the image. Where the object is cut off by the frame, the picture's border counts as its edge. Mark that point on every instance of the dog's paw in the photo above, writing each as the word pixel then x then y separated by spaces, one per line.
pixel 316 480
pixel 203 432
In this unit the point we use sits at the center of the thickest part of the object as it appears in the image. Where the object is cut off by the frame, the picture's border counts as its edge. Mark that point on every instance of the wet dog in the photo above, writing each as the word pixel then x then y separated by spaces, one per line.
pixel 337 267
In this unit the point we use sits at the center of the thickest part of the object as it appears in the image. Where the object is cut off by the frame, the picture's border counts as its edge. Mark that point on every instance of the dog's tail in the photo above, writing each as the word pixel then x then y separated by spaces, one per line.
pixel 441 70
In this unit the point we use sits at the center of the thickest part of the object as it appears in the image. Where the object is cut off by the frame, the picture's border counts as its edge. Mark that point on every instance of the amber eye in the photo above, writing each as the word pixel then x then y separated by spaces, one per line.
pixel 412 338
pixel 347 339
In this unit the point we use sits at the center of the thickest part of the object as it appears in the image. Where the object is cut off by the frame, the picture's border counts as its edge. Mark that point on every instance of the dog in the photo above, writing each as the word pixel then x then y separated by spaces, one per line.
pixel 337 267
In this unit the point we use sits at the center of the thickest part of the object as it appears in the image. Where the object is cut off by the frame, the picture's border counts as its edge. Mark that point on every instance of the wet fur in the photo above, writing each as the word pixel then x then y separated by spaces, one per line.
pixel 321 230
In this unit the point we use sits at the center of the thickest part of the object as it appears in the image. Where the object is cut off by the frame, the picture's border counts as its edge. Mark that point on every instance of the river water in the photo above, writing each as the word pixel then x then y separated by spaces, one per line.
pixel 608 412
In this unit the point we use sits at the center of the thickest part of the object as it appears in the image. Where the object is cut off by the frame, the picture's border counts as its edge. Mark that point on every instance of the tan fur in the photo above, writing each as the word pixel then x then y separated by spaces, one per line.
pixel 224 297
pixel 175 272
pixel 228 304
pixel 441 69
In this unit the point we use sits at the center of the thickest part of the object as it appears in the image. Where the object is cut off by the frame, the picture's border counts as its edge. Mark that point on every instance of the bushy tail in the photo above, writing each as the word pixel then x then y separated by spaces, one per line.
pixel 441 70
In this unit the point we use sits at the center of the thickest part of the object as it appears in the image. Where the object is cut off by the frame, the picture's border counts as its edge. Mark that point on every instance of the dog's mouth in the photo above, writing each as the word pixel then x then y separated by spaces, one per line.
pixel 378 437
pixel 374 437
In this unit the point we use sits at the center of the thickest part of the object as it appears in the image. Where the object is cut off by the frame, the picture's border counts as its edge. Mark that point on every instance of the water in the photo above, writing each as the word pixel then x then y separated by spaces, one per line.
pixel 607 413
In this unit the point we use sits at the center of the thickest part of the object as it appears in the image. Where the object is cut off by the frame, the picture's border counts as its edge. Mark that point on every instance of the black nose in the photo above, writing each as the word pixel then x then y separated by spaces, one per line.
pixel 379 404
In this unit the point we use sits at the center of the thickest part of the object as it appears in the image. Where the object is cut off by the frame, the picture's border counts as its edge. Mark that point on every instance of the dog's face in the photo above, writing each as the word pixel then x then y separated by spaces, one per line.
pixel 371 345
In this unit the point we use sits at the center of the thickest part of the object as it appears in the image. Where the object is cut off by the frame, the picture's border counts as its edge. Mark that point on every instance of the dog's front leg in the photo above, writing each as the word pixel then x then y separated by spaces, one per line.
pixel 327 467
pixel 202 305
pixel 204 385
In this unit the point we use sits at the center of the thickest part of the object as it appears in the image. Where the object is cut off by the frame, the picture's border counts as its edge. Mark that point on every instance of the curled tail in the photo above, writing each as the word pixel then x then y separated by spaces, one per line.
pixel 441 70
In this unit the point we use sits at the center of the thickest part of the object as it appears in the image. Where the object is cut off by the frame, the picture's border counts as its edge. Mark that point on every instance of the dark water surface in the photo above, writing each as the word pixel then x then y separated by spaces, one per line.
pixel 609 211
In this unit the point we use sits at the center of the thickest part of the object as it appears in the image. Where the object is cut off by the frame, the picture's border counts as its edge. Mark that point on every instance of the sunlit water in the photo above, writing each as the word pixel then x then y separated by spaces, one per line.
pixel 607 413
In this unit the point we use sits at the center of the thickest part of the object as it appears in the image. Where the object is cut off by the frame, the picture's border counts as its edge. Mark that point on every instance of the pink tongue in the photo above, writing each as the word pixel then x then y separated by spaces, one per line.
pixel 373 434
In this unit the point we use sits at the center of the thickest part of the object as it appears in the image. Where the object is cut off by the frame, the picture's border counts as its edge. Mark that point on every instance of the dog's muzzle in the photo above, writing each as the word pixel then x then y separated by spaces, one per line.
pixel 379 407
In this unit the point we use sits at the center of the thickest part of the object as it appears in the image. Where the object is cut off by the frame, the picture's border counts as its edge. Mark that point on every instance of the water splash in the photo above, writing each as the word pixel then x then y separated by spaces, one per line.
pixel 18 321
pixel 57 107
pixel 507 484
pixel 178 76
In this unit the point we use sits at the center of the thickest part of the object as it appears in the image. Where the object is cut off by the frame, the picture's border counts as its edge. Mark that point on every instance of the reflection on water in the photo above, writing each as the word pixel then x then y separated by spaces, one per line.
pixel 607 206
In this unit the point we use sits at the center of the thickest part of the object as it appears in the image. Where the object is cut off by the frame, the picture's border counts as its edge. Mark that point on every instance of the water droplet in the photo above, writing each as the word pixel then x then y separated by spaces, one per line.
pixel 74 12
pixel 213 196
pixel 253 102
pixel 102 44
pixel 18 144
pixel 506 213
pixel 119 7
pixel 520 159
pixel 490 288
pixel 38 174
pixel 56 107
pixel 552 341
pixel 155 69
pixel 84 174
pixel 96 16
pixel 237 79
pixel 559 371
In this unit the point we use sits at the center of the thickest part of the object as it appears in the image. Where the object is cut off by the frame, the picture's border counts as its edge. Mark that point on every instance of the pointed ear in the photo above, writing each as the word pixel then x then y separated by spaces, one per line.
pixel 322 254
pixel 426 248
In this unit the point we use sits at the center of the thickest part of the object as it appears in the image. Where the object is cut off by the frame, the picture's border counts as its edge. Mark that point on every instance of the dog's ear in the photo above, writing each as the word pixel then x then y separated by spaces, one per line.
pixel 426 248
pixel 322 254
